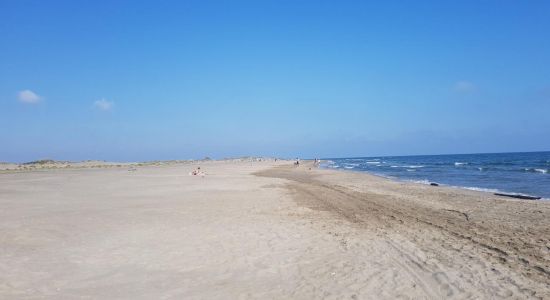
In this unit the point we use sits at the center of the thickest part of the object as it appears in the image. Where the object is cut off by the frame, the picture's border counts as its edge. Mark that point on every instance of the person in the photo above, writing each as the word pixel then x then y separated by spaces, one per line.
pixel 197 172
pixel 297 163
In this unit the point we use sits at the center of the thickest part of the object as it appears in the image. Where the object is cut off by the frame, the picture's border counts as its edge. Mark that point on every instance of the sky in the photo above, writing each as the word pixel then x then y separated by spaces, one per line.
pixel 160 80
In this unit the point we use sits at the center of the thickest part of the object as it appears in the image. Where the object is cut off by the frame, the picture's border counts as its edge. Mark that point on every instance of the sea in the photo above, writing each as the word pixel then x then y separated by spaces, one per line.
pixel 525 173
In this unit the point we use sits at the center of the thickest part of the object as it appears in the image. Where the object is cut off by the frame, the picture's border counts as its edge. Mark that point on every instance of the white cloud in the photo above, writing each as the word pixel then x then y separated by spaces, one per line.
pixel 28 97
pixel 104 105
pixel 464 87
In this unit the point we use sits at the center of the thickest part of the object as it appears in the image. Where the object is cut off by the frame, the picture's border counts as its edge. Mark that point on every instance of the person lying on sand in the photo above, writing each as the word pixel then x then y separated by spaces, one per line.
pixel 197 172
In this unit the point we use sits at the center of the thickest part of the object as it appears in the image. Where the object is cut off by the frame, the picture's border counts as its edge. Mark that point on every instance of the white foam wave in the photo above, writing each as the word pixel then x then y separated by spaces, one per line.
pixel 348 167
pixel 487 190
pixel 423 181
pixel 460 163
pixel 409 167
pixel 373 162
pixel 473 188
pixel 351 164
pixel 543 171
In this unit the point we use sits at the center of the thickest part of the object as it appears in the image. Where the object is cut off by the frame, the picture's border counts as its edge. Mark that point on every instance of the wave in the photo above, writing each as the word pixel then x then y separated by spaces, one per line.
pixel 543 171
pixel 493 168
pixel 351 164
pixel 409 167
pixel 328 164
pixel 423 181
pixel 473 188
pixel 485 172
pixel 478 189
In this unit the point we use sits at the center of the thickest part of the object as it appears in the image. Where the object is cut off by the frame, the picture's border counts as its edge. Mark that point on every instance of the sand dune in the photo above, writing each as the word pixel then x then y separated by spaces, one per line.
pixel 262 229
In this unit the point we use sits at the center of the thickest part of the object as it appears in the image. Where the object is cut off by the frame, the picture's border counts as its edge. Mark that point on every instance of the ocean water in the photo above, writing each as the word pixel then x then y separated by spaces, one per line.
pixel 525 173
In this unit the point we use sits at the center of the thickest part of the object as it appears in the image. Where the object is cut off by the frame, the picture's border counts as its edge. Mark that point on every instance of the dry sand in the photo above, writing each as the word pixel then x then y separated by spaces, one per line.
pixel 251 229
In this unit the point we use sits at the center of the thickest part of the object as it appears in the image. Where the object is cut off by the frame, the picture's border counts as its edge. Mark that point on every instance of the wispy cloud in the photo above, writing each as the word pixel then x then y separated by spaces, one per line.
pixel 104 105
pixel 28 97
pixel 464 87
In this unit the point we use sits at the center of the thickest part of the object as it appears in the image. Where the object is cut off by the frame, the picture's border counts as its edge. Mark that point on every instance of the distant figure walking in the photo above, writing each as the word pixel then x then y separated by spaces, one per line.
pixel 297 162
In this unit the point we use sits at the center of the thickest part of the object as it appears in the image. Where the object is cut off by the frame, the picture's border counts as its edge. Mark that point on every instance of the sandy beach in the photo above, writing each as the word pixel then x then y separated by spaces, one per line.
pixel 262 230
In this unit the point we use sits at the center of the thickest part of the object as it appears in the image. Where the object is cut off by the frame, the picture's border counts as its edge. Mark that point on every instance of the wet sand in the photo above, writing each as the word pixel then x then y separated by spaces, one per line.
pixel 251 229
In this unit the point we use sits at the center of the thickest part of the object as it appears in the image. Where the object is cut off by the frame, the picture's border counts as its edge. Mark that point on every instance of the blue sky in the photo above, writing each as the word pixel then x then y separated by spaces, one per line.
pixel 130 80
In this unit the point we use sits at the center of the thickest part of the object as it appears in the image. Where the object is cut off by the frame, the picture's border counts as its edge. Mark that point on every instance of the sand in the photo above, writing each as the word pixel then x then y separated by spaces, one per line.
pixel 262 229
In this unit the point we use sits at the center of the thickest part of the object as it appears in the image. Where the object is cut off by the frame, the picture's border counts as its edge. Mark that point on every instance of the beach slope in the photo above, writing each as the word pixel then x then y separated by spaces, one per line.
pixel 262 229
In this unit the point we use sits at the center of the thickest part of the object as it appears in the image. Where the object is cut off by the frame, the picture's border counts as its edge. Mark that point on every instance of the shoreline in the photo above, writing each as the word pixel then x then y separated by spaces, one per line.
pixel 6 168
pixel 502 228
pixel 428 182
